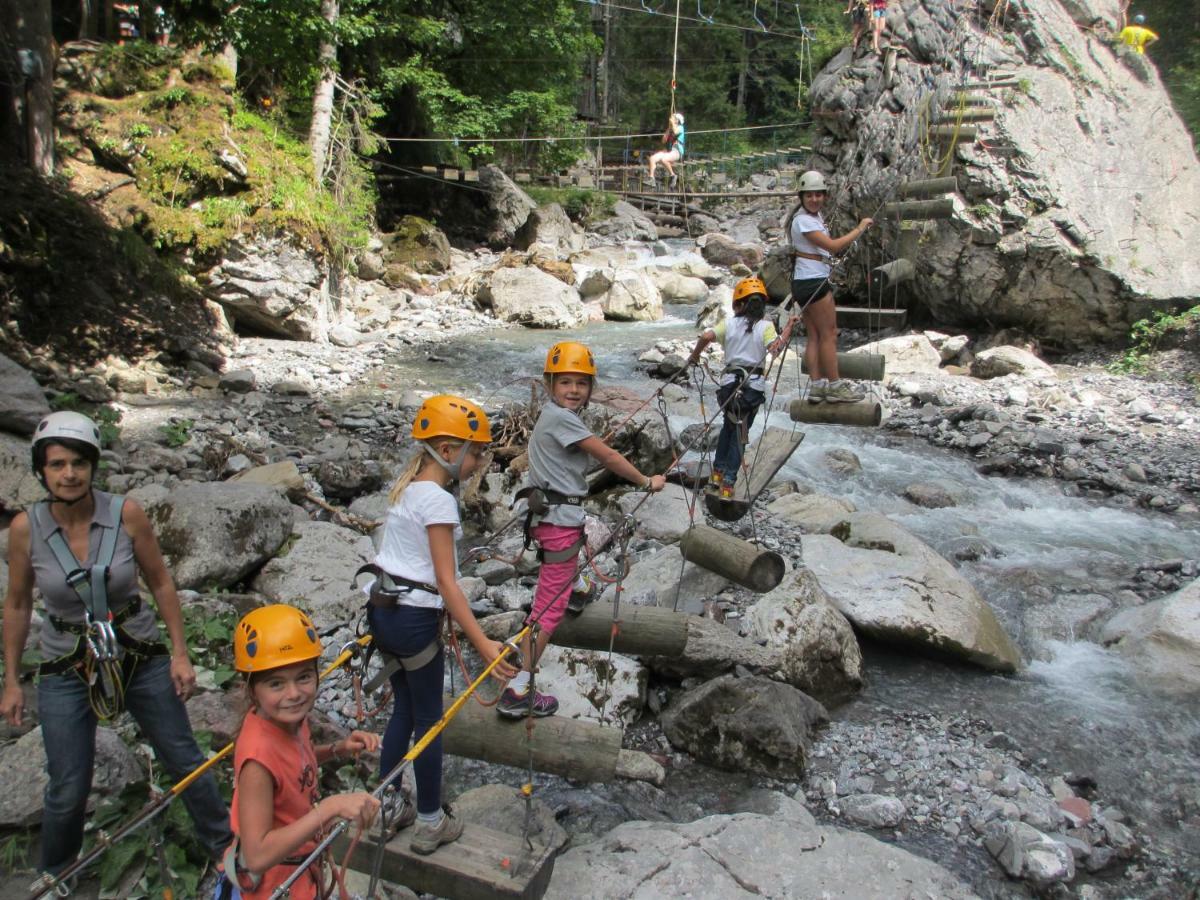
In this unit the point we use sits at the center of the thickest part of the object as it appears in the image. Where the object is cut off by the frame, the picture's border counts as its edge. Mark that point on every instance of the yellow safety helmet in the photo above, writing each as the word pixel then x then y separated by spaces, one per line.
pixel 570 356
pixel 748 287
pixel 274 636
pixel 448 416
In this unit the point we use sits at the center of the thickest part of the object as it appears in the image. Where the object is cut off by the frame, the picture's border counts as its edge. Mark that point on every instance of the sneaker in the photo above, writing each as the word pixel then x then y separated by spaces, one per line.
pixel 427 838
pixel 649 182
pixel 516 706
pixel 406 816
pixel 816 393
pixel 715 479
pixel 581 597
pixel 843 392
pixel 727 491
pixel 674 182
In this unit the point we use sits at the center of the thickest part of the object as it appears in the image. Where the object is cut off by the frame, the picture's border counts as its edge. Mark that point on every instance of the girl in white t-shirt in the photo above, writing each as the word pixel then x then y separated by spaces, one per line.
pixel 814 250
pixel 419 563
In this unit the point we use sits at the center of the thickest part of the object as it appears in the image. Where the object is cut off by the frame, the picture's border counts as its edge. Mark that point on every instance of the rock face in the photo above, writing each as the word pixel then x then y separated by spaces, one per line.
pixel 895 588
pixel 417 244
pixel 745 855
pixel 627 223
pixel 18 486
pixel 1079 221
pixel 1162 639
pixel 22 403
pixel 551 226
pixel 317 567
pixel 745 724
pixel 531 297
pixel 214 534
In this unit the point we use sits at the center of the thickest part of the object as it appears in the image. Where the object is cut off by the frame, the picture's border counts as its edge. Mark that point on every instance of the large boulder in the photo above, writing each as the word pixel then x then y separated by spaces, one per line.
pixel 501 808
pixel 776 273
pixel 678 288
pixel 723 251
pixel 549 225
pixel 22 403
pixel 627 223
pixel 317 567
pixel 1162 639
pixel 632 297
pixel 18 486
pixel 1000 361
pixel 417 244
pixel 215 534
pixel 505 208
pixel 817 649
pixel 658 579
pixel 590 685
pixel 897 589
pixel 750 854
pixel 908 354
pixel 745 725
pixel 812 513
pixel 532 298
pixel 663 516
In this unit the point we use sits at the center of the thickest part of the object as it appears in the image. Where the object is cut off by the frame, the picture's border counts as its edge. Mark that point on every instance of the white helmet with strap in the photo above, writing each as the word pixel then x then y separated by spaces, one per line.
pixel 812 180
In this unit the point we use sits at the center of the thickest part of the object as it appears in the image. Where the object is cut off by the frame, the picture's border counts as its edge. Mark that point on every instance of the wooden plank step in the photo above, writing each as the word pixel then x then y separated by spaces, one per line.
pixel 763 460
pixel 963 133
pixel 866 317
pixel 483 864
pixel 951 115
pixel 928 187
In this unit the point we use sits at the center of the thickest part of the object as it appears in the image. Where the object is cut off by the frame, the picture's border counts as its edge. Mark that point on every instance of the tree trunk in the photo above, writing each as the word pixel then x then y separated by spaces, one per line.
pixel 322 108
pixel 743 70
pixel 28 117
pixel 148 21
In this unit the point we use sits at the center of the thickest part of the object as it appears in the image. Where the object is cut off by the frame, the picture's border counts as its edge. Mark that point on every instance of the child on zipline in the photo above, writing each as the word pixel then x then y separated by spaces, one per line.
pixel 560 451
pixel 747 338
pixel 278 816
pixel 416 584
pixel 675 137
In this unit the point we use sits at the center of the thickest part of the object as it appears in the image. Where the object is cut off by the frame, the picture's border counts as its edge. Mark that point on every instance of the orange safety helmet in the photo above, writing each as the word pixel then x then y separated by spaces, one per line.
pixel 274 636
pixel 748 287
pixel 448 416
pixel 570 356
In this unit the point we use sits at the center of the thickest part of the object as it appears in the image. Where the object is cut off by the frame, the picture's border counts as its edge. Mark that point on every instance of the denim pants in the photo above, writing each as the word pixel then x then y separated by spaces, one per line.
pixel 739 416
pixel 417 696
pixel 69 734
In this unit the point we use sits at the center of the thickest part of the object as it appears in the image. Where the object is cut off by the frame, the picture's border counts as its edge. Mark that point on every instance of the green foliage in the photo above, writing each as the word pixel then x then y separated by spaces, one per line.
pixel 119 70
pixel 1146 335
pixel 14 851
pixel 173 97
pixel 107 418
pixel 210 639
pixel 583 206
pixel 177 432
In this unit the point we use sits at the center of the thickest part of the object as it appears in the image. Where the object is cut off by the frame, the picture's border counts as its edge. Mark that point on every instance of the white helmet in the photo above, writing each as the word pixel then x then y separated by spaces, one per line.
pixel 66 426
pixel 812 181
pixel 678 118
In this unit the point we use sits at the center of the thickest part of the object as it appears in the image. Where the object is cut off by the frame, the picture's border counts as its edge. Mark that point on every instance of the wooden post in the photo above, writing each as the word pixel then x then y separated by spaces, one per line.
pixel 929 187
pixel 864 414
pixel 895 272
pixel 859 366
pixel 740 561
pixel 645 630
pixel 919 209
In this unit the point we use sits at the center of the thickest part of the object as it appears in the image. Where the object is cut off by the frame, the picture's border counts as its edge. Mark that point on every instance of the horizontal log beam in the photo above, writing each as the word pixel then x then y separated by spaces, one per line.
pixel 740 561
pixel 919 209
pixel 864 414
pixel 859 366
pixel 645 630
pixel 965 134
pixel 929 187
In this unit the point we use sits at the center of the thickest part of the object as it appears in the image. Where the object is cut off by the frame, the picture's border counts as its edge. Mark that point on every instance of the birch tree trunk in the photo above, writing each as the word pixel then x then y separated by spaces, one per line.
pixel 322 108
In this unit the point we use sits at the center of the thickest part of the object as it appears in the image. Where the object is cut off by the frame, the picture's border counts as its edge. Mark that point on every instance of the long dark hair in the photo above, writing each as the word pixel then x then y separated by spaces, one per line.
pixel 752 310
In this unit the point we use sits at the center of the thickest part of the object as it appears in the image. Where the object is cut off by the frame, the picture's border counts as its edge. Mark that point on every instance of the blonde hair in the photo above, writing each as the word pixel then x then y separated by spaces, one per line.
pixel 412 468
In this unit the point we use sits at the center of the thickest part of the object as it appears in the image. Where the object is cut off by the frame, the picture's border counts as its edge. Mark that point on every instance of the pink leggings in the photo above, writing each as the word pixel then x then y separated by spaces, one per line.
pixel 554 579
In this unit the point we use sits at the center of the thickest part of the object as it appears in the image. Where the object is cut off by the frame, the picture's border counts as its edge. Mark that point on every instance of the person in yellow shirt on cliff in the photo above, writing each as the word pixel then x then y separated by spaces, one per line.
pixel 1137 35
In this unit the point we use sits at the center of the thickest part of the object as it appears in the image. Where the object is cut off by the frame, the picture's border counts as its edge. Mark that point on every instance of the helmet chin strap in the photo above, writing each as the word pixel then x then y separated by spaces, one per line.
pixel 453 468
pixel 57 499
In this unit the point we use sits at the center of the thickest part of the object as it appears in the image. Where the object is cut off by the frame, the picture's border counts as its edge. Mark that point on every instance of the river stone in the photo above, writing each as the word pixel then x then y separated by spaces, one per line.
pixel 581 681
pixel 813 513
pixel 817 648
pixel 873 810
pixel 282 475
pixel 239 381
pixel 214 534
pixel 23 763
pixel 627 223
pixel 632 297
pixel 663 516
pixel 532 298
pixel 841 461
pixel 349 478
pixel 906 354
pixel 1162 639
pixel 1024 852
pixel 22 402
pixel 678 288
pixel 549 225
pixel 931 494
pixel 720 250
pixel 736 857
pixel 316 567
pixel 1000 361
pixel 501 807
pixel 18 485
pixel 659 576
pixel 695 267
pixel 897 589
pixel 745 724
pixel 1069 617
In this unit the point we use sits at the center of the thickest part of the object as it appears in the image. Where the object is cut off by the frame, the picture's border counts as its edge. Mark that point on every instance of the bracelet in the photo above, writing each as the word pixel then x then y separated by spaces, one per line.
pixel 333 751
pixel 649 481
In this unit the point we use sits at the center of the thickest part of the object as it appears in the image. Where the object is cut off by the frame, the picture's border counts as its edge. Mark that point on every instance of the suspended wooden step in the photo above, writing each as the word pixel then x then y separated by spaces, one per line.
pixel 481 865
pixel 950 116
pixel 929 187
pixel 645 630
pixel 858 366
pixel 866 317
pixel 962 133
pixel 893 273
pixel 908 244
pixel 919 209
pixel 969 100
pixel 864 414
pixel 763 459
pixel 989 85
pixel 740 561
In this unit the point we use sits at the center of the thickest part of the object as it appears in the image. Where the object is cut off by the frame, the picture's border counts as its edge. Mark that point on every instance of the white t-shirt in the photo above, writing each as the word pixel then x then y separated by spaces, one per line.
pixel 745 347
pixel 405 547
pixel 809 268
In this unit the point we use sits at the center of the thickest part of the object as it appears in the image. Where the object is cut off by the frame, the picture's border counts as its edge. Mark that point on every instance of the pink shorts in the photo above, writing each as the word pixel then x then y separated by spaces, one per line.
pixel 554 579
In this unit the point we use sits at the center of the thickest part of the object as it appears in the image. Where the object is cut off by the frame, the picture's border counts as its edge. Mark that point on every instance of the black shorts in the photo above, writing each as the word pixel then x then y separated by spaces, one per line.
pixel 858 15
pixel 808 290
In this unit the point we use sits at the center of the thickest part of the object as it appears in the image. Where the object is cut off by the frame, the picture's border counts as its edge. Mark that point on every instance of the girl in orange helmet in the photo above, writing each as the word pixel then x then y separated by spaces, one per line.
pixel 416 581
pixel 561 449
pixel 747 338
pixel 278 815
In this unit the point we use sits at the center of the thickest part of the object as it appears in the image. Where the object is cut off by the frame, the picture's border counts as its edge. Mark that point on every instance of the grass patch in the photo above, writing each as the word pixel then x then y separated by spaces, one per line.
pixel 1148 335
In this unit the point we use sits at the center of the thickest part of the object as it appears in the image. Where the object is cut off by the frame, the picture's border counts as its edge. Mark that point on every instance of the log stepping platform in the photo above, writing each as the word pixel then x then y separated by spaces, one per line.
pixel 764 459
pixel 740 561
pixel 866 413
pixel 941 208
pixel 483 864
pixel 858 366
pixel 869 318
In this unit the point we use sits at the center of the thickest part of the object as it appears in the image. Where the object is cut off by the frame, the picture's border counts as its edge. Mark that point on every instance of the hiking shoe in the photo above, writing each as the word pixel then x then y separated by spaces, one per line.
pixel 843 392
pixel 406 815
pixel 674 182
pixel 581 597
pixel 427 838
pixel 726 491
pixel 816 393
pixel 516 706
pixel 715 479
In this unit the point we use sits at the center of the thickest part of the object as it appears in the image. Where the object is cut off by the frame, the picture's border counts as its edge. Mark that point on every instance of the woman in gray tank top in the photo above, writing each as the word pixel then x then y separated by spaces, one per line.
pixel 68 535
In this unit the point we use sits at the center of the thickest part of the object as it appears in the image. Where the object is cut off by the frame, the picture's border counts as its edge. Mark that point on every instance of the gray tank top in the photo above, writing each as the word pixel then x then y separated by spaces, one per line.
pixel 61 600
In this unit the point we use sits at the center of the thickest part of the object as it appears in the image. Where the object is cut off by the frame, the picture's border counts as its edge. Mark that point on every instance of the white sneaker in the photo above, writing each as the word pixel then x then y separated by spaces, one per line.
pixel 843 392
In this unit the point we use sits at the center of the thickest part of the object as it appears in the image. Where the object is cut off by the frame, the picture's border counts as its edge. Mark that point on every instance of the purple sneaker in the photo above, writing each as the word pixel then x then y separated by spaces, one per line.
pixel 516 706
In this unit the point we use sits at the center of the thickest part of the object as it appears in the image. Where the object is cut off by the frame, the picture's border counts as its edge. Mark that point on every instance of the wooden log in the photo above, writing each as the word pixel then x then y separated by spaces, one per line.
pixel 645 630
pixel 450 174
pixel 964 134
pixel 859 366
pixel 895 272
pixel 929 187
pixel 871 317
pixel 919 209
pixel 988 85
pixel 909 240
pixel 864 414
pixel 573 748
pixel 481 865
pixel 740 561
pixel 951 116
pixel 763 459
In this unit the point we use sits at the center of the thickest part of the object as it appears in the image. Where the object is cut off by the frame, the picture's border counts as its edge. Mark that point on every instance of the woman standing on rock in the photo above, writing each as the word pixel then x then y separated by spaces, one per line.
pixel 813 251
pixel 100 644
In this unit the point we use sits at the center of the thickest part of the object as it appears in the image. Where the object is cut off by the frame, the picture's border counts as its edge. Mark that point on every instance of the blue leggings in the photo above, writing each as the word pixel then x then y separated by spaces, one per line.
pixel 739 416
pixel 406 631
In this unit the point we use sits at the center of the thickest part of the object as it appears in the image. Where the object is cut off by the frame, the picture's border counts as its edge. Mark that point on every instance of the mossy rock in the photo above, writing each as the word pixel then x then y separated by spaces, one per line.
pixel 398 275
pixel 418 244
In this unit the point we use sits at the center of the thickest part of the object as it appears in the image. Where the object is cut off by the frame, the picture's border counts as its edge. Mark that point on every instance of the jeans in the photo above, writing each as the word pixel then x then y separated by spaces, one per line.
pixel 739 416
pixel 417 696
pixel 69 734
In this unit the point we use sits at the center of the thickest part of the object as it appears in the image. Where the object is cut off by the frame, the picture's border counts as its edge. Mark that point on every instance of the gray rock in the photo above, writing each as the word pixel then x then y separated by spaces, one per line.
pixel 349 478
pixel 631 297
pixel 931 495
pixel 549 225
pixel 18 485
pixel 678 288
pixel 317 566
pixel 22 402
pixel 418 244
pixel 842 461
pixel 664 516
pixel 874 810
pixel 495 571
pixel 627 223
pixel 502 808
pixel 533 298
pixel 720 250
pixel 664 575
pixel 1024 852
pixel 1000 361
pixel 239 381
pixel 906 354
pixel 1162 639
pixel 273 285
